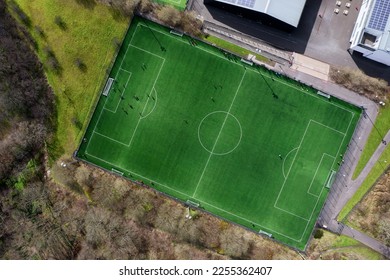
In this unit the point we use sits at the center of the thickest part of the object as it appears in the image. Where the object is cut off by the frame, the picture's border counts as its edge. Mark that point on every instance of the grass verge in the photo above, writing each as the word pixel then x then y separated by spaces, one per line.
pixel 82 45
pixel 383 124
pixel 333 247
pixel 372 177
pixel 349 245
pixel 234 48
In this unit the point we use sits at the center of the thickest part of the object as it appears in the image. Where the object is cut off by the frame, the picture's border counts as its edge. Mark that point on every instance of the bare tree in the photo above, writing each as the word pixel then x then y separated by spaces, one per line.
pixel 384 230
pixel 145 6
pixel 234 243
pixel 169 15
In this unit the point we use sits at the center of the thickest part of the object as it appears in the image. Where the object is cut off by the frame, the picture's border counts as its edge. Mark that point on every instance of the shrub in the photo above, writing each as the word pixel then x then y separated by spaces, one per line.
pixel 357 81
pixel 145 6
pixel 169 15
pixel 318 234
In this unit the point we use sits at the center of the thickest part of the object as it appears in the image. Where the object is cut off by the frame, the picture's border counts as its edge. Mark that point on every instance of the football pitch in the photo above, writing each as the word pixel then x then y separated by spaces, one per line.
pixel 198 124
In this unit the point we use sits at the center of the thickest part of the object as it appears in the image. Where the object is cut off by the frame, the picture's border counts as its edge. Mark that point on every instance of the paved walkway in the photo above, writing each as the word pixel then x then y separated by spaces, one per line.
pixel 367 240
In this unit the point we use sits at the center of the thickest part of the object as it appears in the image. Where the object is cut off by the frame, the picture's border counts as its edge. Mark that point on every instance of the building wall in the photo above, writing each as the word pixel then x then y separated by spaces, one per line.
pixel 360 22
pixel 380 56
pixel 362 50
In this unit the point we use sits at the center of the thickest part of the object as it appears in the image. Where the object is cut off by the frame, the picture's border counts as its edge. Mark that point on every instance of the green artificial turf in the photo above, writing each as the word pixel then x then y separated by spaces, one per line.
pixel 179 4
pixel 196 123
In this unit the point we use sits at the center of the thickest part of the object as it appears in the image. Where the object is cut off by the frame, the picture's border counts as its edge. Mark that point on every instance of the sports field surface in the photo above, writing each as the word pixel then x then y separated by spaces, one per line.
pixel 179 4
pixel 200 125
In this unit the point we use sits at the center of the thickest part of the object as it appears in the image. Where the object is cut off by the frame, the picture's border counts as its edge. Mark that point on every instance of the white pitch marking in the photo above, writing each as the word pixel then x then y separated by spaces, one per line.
pixel 123 90
pixel 343 133
pixel 285 160
pixel 143 110
pixel 219 134
pixel 264 74
pixel 315 174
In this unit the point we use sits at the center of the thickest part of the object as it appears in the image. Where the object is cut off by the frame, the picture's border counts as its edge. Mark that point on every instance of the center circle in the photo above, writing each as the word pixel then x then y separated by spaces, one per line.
pixel 219 133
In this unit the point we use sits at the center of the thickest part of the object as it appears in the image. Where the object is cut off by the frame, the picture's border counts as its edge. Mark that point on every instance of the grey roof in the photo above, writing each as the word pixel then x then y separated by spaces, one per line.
pixel 288 11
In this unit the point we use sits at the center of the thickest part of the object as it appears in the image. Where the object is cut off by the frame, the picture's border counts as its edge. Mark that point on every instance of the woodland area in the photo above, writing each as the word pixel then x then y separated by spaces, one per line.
pixel 65 209
pixel 26 109
pixel 26 102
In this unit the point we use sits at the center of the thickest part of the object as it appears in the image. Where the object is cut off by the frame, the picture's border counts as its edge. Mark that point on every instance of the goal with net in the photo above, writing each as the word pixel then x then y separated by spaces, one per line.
pixel 323 94
pixel 265 233
pixel 247 62
pixel 107 87
pixel 192 203
pixel 117 171
pixel 177 33
pixel 331 179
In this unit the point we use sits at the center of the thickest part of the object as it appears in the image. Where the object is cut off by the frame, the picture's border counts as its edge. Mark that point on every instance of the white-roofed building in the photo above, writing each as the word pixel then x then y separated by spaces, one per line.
pixel 371 35
pixel 287 11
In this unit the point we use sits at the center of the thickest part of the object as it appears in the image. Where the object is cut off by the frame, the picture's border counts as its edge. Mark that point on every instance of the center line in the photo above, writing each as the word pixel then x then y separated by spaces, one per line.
pixel 219 134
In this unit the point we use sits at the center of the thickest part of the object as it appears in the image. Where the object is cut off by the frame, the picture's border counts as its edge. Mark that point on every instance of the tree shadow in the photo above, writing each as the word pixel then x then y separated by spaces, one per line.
pixel 89 4
pixel 81 65
pixel 77 123
pixel 61 23
pixel 23 17
pixel 40 32
pixel 52 62
pixel 116 14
